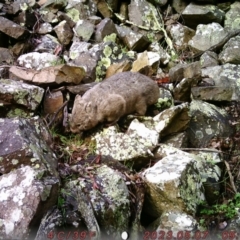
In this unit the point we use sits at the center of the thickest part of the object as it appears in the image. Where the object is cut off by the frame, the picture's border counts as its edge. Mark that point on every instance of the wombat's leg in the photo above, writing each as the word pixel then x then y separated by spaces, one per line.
pixel 113 108
pixel 141 107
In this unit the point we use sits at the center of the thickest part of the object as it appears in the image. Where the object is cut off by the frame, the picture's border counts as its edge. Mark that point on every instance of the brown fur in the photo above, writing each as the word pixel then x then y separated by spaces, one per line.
pixel 119 95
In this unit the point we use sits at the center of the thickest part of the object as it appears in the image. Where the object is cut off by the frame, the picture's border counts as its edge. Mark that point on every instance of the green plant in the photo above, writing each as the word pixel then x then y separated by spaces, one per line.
pixel 228 210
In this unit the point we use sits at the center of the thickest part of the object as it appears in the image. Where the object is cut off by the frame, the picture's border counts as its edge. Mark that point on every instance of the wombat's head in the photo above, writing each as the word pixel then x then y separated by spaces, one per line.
pixel 83 116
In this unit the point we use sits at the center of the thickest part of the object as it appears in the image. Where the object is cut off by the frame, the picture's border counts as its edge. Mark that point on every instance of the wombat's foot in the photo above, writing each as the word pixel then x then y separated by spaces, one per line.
pixel 141 108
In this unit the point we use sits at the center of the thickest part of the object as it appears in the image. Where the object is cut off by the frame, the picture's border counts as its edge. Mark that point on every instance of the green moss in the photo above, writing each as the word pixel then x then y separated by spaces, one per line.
pixel 110 38
pixel 107 51
pixel 73 13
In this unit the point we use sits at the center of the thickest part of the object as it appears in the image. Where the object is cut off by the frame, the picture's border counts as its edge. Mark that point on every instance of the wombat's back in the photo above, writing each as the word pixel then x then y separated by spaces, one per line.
pixel 129 85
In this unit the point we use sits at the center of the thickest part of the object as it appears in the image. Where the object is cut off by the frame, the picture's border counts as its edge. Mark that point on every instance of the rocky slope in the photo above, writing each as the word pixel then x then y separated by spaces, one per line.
pixel 147 176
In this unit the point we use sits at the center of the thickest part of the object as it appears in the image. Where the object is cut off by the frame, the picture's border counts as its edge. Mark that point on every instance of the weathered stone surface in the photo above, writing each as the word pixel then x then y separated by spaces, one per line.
pixel 49 17
pixel 176 222
pixel 45 28
pixel 173 183
pixel 77 48
pixel 207 121
pixel 60 74
pixel 111 204
pixel 164 56
pixel 48 44
pixel 37 60
pixel 122 66
pixel 104 9
pixel 209 59
pixel 182 91
pixel 81 9
pixel 24 143
pixel 178 140
pixel 158 2
pixel 135 144
pixel 108 53
pixel 64 32
pixel 179 5
pixel 212 93
pixel 181 35
pixel 134 40
pixel 142 13
pixel 231 51
pixel 172 120
pixel 25 196
pixel 6 56
pixel 89 63
pixel 53 6
pixel 232 19
pixel 104 28
pixel 227 79
pixel 211 174
pixel 84 29
pixel 12 29
pixel 207 36
pixel 180 71
pixel 195 14
pixel 50 224
pixel 147 63
pixel 81 88
pixel 20 95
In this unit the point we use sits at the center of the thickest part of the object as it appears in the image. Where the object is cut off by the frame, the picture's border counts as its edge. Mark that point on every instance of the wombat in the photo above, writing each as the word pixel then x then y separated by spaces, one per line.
pixel 116 96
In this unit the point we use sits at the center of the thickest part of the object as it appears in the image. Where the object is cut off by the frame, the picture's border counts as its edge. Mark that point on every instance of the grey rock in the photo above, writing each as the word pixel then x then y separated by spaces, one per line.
pixel 134 146
pixel 195 14
pixel 37 60
pixel 77 10
pixel 181 35
pixel 6 56
pixel 173 183
pixel 180 71
pixel 53 6
pixel 141 12
pixel 209 59
pixel 230 52
pixel 64 32
pixel 25 142
pixel 207 36
pixel 212 93
pixel 27 193
pixel 211 174
pixel 165 122
pixel 45 28
pixel 232 19
pixel 110 205
pixel 179 5
pixel 226 78
pixel 104 28
pixel 77 48
pixel 134 40
pixel 84 29
pixel 207 121
pixel 89 63
pixel 177 140
pixel 12 29
pixel 174 222
pixel 182 91
pixel 20 95
pixel 48 44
